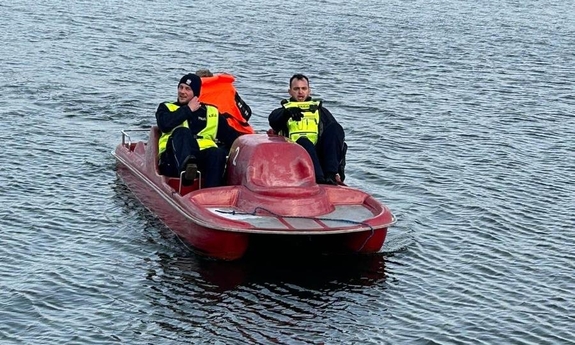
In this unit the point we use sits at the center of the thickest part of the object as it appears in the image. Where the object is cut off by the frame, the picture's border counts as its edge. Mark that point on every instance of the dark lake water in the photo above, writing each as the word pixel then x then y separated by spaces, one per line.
pixel 460 116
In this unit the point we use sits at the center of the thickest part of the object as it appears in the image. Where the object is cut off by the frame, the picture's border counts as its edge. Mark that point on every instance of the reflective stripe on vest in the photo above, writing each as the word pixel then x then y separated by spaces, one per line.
pixel 308 126
pixel 206 137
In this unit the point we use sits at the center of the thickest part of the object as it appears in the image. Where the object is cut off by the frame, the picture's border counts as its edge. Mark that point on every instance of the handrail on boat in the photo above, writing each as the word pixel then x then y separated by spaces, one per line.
pixel 393 218
pixel 126 135
pixel 180 186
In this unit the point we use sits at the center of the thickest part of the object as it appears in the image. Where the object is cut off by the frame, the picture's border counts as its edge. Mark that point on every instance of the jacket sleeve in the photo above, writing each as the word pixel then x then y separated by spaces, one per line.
pixel 326 116
pixel 168 120
pixel 226 134
pixel 327 119
pixel 277 120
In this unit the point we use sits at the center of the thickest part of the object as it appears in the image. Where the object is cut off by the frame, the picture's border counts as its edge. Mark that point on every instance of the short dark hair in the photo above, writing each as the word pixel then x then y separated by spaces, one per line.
pixel 298 76
pixel 204 72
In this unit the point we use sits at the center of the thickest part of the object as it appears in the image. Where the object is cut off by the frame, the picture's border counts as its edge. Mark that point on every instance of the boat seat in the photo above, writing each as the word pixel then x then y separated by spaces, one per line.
pixel 174 183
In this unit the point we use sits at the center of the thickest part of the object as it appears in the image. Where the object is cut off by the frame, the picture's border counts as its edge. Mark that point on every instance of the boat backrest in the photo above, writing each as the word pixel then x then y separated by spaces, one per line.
pixel 152 149
pixel 271 165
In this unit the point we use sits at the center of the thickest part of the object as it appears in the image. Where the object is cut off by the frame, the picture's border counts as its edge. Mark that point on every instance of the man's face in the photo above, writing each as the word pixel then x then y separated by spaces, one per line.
pixel 185 93
pixel 299 90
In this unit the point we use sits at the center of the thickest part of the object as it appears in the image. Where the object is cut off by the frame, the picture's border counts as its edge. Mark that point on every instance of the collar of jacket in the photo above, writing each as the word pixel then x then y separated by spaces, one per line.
pixel 295 100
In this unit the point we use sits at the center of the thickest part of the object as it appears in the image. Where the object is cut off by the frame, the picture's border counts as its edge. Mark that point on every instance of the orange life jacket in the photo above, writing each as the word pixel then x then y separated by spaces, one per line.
pixel 219 91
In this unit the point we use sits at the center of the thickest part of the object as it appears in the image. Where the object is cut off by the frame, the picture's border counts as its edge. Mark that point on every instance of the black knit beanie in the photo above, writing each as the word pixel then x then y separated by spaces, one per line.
pixel 194 82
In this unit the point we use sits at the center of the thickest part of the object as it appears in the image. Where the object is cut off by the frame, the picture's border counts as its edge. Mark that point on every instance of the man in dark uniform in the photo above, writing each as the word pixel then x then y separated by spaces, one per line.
pixel 308 123
pixel 194 136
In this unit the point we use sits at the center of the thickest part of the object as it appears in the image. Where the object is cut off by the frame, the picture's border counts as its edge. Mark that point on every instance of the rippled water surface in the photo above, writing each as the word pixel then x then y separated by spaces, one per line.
pixel 460 116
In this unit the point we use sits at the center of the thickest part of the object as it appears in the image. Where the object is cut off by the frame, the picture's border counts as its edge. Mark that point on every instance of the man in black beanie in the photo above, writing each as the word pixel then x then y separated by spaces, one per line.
pixel 193 82
pixel 194 136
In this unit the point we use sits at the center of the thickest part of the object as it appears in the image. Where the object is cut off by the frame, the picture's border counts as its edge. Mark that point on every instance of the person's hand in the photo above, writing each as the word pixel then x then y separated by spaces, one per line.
pixel 194 104
pixel 295 113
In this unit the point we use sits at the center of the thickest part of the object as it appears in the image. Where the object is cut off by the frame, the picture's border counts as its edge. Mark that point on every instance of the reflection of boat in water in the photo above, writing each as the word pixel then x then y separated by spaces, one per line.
pixel 306 271
pixel 271 198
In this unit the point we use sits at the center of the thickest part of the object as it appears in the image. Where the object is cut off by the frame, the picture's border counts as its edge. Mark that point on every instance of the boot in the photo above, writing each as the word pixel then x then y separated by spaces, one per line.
pixel 330 178
pixel 190 170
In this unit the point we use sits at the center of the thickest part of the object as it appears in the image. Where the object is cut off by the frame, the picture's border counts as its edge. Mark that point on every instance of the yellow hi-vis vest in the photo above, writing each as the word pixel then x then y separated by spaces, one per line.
pixel 206 137
pixel 308 126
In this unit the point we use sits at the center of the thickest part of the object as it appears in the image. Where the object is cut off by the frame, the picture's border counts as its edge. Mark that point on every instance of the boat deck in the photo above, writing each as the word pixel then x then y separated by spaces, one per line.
pixel 342 217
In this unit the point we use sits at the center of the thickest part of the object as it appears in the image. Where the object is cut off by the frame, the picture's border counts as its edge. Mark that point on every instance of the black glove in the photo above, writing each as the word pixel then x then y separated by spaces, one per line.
pixel 293 112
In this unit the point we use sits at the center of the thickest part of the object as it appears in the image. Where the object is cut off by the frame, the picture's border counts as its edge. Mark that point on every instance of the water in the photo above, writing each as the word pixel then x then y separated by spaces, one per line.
pixel 459 116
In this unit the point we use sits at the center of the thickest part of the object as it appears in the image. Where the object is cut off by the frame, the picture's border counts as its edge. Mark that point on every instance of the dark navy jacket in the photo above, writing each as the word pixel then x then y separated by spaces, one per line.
pixel 168 120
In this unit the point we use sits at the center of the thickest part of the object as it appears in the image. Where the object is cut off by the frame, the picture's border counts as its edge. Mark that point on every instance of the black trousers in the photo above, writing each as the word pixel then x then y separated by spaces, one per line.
pixel 182 143
pixel 328 154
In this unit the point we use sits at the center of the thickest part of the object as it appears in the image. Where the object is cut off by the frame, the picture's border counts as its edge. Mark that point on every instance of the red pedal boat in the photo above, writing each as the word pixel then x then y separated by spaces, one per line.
pixel 271 199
